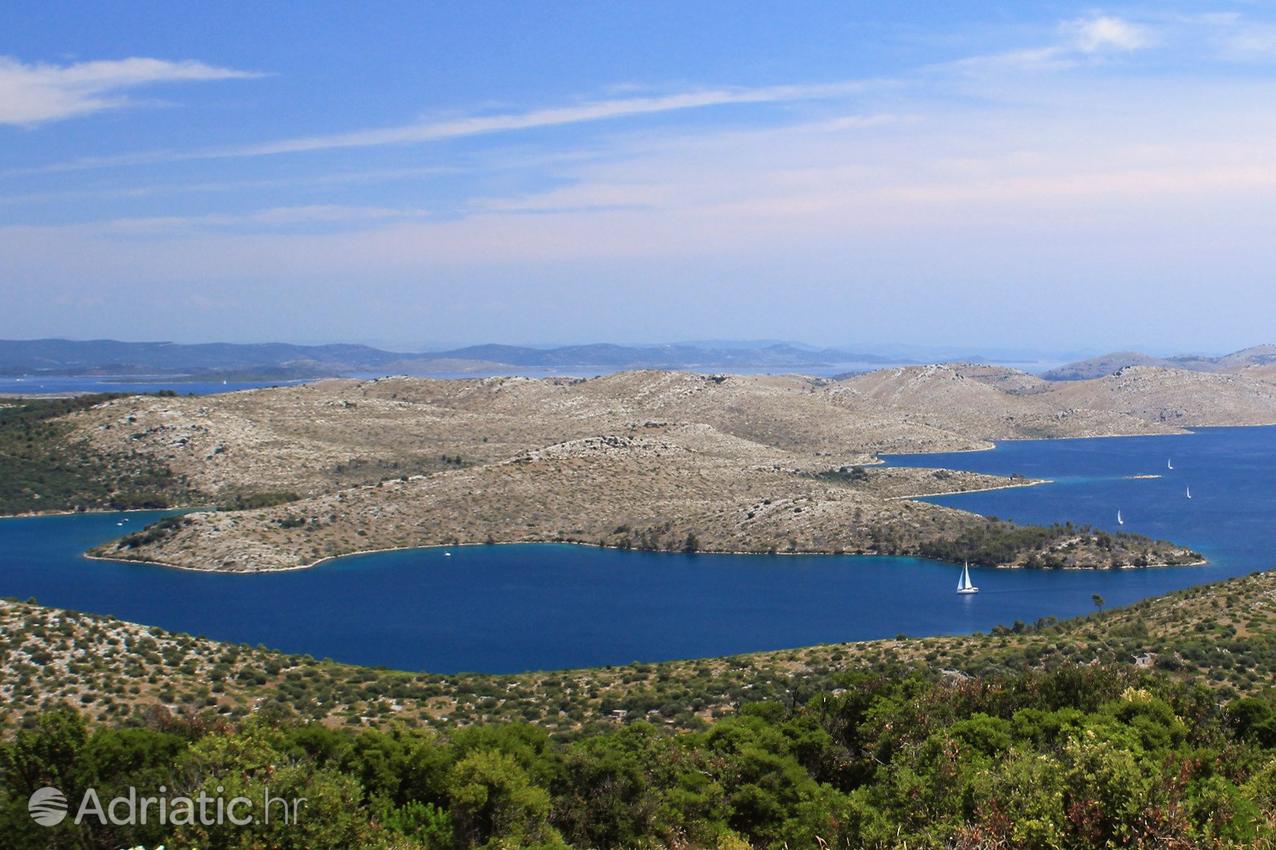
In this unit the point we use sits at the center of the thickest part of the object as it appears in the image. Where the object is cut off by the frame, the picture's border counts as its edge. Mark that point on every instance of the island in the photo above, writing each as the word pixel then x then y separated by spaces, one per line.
pixel 292 476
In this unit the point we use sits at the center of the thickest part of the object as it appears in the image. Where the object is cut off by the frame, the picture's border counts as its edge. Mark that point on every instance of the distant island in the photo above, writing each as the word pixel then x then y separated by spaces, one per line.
pixel 282 361
pixel 1257 361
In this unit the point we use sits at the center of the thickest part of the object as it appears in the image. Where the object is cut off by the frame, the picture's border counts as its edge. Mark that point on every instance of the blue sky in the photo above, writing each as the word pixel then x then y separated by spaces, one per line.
pixel 1049 175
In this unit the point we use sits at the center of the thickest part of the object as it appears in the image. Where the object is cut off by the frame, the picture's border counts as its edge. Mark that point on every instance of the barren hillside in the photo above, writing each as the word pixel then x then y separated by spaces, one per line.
pixel 985 403
pixel 649 459
pixel 1176 397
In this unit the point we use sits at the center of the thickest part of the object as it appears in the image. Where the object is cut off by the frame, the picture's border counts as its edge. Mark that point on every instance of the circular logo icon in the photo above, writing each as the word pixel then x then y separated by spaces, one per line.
pixel 47 806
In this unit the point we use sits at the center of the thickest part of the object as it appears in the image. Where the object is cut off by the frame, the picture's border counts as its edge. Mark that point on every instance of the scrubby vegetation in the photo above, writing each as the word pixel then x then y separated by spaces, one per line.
pixel 1149 726
pixel 1075 758
pixel 154 532
pixel 996 543
pixel 252 501
pixel 46 466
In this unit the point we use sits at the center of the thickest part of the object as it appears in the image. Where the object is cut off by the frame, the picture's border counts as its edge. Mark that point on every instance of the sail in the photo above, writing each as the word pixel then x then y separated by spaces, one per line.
pixel 1169 464
pixel 964 582
pixel 1189 492
pixel 1119 520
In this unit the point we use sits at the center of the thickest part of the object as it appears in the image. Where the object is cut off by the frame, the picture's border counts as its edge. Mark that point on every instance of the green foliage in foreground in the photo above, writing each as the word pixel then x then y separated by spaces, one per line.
pixel 44 468
pixel 1078 758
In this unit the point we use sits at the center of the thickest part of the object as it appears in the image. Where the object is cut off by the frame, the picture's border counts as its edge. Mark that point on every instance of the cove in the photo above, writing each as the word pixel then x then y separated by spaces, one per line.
pixel 509 608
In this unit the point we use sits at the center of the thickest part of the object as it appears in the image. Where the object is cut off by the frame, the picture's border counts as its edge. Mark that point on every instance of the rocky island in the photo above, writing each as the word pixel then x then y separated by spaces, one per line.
pixel 654 460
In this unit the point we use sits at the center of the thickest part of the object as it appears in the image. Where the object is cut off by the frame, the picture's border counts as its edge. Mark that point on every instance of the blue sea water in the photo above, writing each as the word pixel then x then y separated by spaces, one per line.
pixel 63 385
pixel 543 606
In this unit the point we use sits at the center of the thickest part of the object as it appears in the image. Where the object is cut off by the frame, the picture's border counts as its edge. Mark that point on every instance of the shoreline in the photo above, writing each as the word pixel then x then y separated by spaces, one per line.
pixel 711 552
pixel 101 511
pixel 895 641
pixel 883 460
pixel 1033 482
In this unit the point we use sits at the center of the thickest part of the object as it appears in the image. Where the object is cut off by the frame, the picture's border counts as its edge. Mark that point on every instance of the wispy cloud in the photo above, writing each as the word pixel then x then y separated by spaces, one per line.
pixel 39 93
pixel 1106 32
pixel 554 117
pixel 1080 41
pixel 264 219
pixel 483 125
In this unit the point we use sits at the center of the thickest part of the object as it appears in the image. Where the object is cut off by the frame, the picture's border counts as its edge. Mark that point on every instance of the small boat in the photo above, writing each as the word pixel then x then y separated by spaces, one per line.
pixel 1169 464
pixel 1119 520
pixel 447 554
pixel 1188 492
pixel 964 585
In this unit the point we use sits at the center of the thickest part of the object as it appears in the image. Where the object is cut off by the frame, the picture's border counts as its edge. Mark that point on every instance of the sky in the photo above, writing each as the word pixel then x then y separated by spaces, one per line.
pixel 1045 175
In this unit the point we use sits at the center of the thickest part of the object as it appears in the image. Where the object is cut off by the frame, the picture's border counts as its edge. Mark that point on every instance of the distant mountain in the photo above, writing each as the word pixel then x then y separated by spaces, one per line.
pixel 110 357
pixel 1108 364
pixel 61 357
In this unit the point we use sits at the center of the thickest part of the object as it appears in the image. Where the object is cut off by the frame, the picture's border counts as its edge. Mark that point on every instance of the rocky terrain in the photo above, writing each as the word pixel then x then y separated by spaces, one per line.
pixel 1175 397
pixel 665 460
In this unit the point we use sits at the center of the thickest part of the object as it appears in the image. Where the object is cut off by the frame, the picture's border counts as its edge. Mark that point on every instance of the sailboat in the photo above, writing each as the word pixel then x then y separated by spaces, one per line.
pixel 1169 464
pixel 1189 492
pixel 1119 520
pixel 964 584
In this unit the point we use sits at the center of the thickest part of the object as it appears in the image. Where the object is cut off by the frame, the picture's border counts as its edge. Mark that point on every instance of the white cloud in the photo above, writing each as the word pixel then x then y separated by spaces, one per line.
pixel 483 125
pixel 1078 42
pixel 553 117
pixel 40 93
pixel 1106 33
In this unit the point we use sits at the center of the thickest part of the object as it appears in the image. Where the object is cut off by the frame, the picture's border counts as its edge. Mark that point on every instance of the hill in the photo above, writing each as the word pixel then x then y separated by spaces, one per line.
pixel 1107 364
pixel 665 460
pixel 1176 396
pixel 655 459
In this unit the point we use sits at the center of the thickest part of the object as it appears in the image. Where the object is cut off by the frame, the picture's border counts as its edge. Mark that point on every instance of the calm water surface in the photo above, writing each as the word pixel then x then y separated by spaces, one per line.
pixel 508 608
pixel 138 384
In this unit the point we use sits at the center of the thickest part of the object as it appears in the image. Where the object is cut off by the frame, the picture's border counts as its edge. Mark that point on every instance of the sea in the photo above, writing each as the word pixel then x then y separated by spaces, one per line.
pixel 508 608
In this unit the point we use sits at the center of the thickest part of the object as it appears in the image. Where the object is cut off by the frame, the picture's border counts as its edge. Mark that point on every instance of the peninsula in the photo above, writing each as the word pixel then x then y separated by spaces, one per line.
pixel 659 460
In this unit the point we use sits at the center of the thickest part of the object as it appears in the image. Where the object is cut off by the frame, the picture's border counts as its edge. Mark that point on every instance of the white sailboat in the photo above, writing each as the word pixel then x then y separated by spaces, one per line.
pixel 1189 492
pixel 1119 520
pixel 964 585
pixel 1169 464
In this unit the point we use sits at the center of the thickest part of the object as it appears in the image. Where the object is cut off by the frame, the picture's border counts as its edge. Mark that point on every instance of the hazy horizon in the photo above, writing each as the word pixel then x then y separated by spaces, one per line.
pixel 903 352
pixel 1059 177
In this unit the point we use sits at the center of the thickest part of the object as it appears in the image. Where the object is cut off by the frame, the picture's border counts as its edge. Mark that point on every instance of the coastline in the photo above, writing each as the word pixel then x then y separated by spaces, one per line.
pixel 884 460
pixel 100 511
pixel 593 545
pixel 1033 482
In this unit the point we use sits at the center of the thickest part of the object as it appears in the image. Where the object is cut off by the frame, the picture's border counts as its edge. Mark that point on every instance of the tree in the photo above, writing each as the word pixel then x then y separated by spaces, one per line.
pixel 495 805
pixel 1098 601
